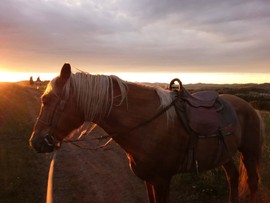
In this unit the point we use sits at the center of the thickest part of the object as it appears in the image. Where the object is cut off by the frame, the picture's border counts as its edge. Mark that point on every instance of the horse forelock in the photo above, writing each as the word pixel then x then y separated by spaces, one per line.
pixel 52 87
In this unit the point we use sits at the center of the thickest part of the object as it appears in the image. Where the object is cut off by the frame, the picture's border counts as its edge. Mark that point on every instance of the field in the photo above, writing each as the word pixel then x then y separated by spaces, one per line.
pixel 24 173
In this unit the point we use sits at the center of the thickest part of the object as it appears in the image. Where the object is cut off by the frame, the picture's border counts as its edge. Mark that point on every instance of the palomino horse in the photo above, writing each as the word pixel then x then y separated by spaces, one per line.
pixel 144 122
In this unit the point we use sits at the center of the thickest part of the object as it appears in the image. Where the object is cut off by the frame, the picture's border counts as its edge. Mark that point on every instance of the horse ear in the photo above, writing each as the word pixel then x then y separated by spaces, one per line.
pixel 65 72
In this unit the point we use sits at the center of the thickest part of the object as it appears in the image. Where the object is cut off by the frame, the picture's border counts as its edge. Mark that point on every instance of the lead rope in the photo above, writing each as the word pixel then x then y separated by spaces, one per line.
pixel 89 148
pixel 87 132
pixel 140 124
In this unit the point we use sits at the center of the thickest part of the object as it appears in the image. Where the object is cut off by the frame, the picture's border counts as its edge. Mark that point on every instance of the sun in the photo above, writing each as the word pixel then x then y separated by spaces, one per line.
pixel 22 76
pixel 10 77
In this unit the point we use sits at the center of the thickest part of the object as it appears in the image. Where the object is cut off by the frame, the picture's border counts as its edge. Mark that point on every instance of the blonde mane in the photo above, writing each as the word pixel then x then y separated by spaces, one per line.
pixel 94 94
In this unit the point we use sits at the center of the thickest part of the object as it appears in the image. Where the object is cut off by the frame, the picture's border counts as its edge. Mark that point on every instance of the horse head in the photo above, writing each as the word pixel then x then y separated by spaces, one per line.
pixel 58 116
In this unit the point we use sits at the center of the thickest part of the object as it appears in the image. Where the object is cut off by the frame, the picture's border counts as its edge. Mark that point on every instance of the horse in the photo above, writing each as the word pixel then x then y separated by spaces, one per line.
pixel 143 121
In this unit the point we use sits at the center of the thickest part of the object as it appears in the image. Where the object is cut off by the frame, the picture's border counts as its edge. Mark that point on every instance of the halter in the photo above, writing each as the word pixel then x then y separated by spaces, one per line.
pixel 49 138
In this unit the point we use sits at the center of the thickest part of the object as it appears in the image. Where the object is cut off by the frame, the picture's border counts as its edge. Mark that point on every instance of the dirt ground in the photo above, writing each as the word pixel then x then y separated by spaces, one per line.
pixel 98 176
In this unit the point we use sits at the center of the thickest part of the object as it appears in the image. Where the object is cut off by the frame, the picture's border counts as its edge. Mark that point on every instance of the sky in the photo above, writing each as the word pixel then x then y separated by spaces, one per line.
pixel 127 36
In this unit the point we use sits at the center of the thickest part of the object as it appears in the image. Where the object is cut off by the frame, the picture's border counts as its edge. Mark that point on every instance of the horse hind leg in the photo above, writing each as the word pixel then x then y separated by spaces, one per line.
pixel 251 153
pixel 232 175
pixel 251 176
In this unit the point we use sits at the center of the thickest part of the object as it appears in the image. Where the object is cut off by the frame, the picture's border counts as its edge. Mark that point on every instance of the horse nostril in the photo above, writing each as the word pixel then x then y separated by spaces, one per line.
pixel 49 140
pixel 42 144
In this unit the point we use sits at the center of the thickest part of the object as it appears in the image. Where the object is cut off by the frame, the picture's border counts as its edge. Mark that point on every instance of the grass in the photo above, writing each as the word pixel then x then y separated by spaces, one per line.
pixel 206 187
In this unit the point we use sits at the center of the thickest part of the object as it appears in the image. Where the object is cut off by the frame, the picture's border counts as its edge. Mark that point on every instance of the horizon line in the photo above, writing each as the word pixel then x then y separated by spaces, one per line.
pixel 156 77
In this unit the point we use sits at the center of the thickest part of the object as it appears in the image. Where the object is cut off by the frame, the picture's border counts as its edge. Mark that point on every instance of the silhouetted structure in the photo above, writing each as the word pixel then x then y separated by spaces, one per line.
pixel 38 82
pixel 31 81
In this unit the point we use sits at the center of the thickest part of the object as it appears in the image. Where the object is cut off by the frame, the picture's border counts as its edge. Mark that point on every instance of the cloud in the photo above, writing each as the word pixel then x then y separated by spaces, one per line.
pixel 123 35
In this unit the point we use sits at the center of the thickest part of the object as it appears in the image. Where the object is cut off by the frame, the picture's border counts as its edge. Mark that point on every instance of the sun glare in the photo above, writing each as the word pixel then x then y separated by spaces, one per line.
pixel 152 77
pixel 20 76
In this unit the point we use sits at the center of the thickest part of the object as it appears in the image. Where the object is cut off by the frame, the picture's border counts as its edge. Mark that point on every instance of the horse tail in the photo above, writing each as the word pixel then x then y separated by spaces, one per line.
pixel 246 169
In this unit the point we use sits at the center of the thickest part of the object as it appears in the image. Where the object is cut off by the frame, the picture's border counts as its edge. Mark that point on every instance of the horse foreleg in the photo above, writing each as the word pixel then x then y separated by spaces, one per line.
pixel 158 190
pixel 232 175
pixel 150 192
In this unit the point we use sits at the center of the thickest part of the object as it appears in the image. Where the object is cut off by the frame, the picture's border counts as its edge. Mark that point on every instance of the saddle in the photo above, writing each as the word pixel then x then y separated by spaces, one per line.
pixel 204 113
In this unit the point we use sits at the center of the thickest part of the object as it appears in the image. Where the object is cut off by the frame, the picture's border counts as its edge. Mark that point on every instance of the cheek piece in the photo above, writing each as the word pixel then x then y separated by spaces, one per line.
pixel 50 140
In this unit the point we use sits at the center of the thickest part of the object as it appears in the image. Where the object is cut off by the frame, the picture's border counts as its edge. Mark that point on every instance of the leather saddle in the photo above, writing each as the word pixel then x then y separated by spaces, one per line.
pixel 204 113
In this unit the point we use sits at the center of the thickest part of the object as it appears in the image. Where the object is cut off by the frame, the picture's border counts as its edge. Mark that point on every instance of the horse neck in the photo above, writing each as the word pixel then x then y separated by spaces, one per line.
pixel 123 123
pixel 141 104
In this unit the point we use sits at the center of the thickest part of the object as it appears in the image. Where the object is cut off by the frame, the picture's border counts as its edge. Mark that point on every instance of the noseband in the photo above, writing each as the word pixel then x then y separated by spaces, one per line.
pixel 50 138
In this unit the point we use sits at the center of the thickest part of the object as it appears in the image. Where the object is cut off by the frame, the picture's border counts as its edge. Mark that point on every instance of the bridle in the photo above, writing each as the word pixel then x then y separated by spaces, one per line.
pixel 58 109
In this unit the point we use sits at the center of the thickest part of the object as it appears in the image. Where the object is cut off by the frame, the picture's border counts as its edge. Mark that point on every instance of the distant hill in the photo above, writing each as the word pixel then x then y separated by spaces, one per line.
pixel 201 86
pixel 256 94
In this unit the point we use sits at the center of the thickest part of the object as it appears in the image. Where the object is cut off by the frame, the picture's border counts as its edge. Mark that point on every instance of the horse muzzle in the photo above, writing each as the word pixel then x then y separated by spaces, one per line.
pixel 42 144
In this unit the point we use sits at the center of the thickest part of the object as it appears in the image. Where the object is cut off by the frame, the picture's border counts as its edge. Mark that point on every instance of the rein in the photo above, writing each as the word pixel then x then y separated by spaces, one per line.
pixel 142 123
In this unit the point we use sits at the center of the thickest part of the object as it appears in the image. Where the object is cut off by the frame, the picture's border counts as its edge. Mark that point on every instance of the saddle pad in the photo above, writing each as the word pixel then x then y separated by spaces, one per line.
pixel 220 118
pixel 202 98
pixel 203 121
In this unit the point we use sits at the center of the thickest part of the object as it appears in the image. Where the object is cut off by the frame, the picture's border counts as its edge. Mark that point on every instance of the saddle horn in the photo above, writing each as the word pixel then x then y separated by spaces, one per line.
pixel 173 83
